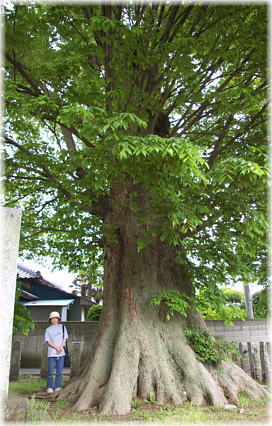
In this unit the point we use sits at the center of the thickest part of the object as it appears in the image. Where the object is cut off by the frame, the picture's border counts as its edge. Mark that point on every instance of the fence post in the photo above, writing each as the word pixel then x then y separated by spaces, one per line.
pixel 263 366
pixel 44 363
pixel 242 355
pixel 268 345
pixel 247 367
pixel 75 358
pixel 252 361
pixel 267 360
pixel 245 364
pixel 15 361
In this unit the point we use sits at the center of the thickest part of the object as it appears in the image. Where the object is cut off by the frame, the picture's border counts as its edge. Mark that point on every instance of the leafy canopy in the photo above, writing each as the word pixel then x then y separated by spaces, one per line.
pixel 170 96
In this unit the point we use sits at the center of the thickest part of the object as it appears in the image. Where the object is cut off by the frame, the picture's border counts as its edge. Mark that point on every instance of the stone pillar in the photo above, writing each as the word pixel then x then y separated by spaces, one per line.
pixel 44 362
pixel 15 361
pixel 75 357
pixel 245 365
pixel 256 361
pixel 10 223
pixel 251 360
pixel 263 363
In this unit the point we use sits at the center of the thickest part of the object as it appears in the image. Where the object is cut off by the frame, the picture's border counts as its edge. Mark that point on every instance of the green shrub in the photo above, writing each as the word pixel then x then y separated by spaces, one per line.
pixel 94 313
pixel 209 349
pixel 232 295
pixel 260 303
pixel 22 321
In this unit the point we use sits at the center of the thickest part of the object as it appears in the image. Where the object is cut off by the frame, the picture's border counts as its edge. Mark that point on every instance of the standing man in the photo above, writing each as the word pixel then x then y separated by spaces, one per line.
pixel 56 342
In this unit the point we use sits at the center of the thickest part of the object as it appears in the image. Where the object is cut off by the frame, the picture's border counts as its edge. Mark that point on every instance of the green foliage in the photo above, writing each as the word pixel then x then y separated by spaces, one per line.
pixel 22 321
pixel 260 303
pixel 227 313
pixel 208 349
pixel 233 296
pixel 211 302
pixel 94 313
pixel 83 88
pixel 136 404
pixel 176 301
pixel 152 398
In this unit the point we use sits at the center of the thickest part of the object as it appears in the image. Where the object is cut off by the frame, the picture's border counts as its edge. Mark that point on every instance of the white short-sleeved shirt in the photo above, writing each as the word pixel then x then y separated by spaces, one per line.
pixel 54 334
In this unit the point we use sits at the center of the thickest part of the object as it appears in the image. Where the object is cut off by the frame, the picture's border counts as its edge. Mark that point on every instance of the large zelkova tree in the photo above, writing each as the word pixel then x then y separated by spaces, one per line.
pixel 139 131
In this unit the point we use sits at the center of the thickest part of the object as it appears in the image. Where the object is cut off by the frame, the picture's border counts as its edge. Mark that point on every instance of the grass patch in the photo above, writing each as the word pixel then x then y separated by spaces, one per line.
pixel 37 411
pixel 188 413
pixel 246 401
pixel 249 411
pixel 136 404
pixel 27 386
pixel 61 403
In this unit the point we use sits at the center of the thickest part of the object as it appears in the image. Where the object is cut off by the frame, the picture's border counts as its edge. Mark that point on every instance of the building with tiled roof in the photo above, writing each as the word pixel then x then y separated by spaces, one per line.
pixel 41 296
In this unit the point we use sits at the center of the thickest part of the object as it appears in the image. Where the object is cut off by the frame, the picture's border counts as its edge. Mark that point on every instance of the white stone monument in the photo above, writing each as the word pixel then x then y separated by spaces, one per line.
pixel 10 222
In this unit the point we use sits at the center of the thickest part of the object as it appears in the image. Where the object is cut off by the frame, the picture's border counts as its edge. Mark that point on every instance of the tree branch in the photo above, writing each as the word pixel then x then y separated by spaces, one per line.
pixel 249 126
pixel 68 137
pixel 165 35
pixel 99 207
pixel 26 177
pixel 23 71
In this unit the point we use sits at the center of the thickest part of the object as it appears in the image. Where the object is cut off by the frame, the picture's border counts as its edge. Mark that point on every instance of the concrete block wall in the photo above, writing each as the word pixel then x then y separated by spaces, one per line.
pixel 78 331
pixel 257 330
pixel 252 330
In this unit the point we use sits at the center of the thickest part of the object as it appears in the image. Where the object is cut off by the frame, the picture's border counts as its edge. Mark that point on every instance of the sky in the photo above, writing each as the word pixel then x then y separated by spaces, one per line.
pixel 62 278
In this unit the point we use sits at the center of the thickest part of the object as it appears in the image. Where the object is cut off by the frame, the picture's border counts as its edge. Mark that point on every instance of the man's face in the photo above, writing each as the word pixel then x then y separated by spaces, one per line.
pixel 54 321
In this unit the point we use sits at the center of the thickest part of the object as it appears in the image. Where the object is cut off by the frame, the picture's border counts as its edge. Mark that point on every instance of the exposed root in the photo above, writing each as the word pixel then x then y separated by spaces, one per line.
pixel 159 365
pixel 85 389
pixel 119 390
pixel 233 380
pixel 199 385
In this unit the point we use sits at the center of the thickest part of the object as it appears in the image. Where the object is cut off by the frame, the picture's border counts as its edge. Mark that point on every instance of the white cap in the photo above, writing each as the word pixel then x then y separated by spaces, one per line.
pixel 54 315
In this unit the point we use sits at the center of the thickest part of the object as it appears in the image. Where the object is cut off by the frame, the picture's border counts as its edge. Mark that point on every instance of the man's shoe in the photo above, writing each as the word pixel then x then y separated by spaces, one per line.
pixel 57 389
pixel 49 390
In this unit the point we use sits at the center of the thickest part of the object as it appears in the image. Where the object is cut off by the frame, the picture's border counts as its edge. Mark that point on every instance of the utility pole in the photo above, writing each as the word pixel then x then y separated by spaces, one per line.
pixel 248 301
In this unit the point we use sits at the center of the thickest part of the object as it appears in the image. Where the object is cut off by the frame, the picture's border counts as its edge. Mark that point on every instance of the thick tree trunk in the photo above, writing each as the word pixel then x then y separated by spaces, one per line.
pixel 137 351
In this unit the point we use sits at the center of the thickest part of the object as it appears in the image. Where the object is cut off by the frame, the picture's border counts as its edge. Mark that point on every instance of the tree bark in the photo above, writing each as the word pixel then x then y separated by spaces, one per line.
pixel 138 353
